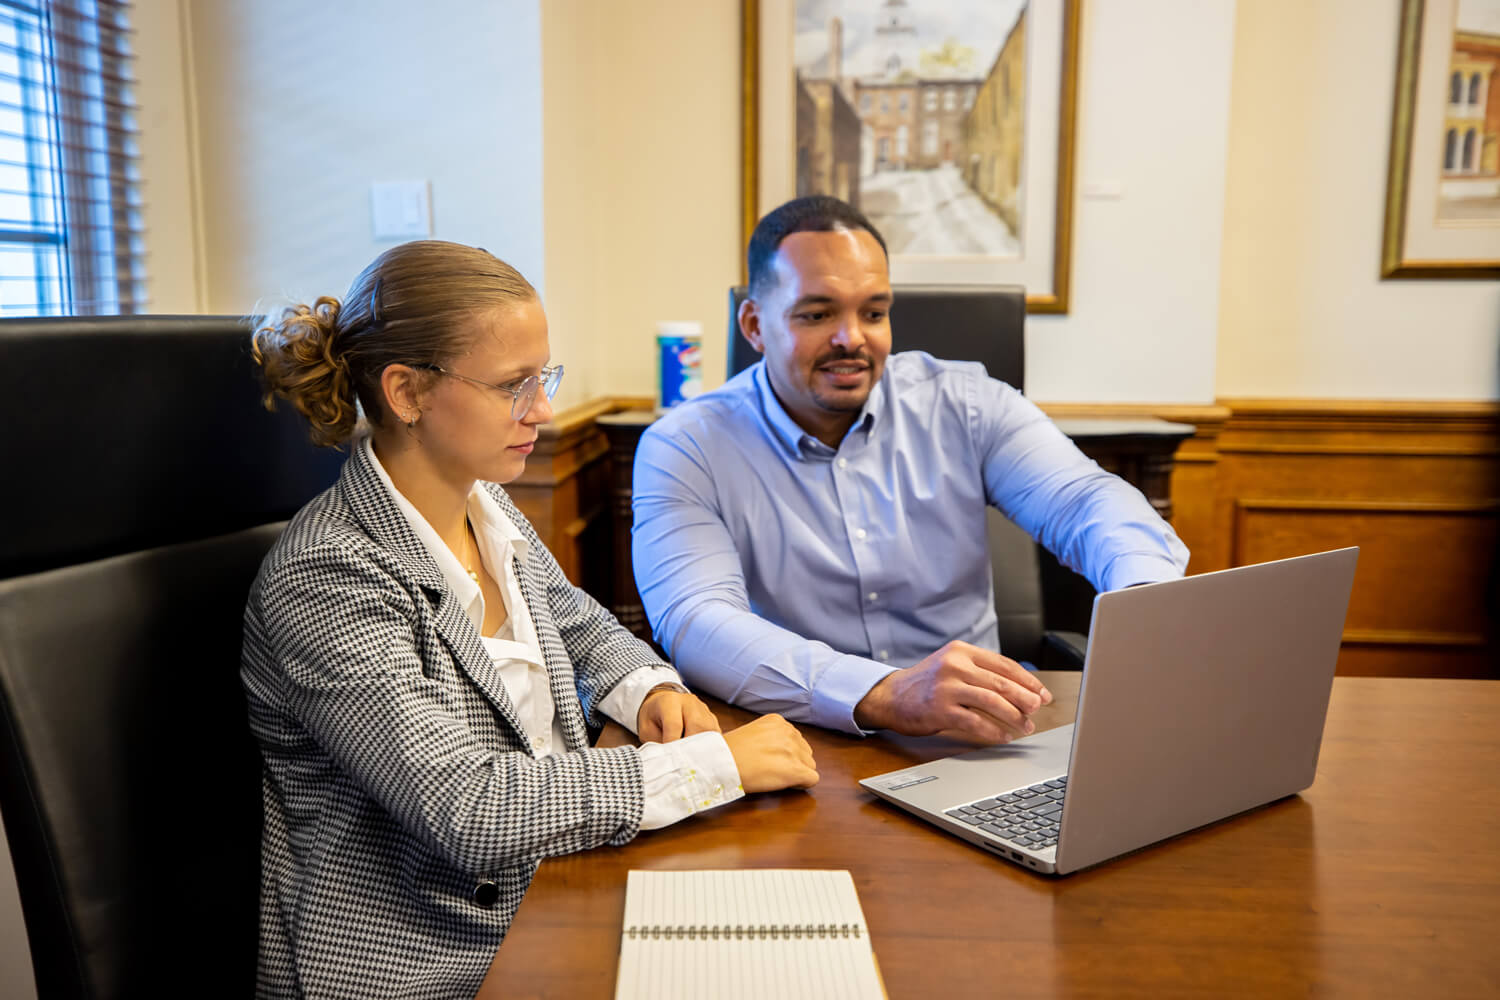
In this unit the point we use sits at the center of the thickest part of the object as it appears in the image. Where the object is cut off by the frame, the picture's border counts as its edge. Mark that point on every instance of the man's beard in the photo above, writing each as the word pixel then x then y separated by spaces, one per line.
pixel 841 400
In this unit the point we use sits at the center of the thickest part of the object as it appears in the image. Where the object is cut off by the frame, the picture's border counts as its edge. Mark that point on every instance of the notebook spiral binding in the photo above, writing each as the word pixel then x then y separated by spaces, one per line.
pixel 738 931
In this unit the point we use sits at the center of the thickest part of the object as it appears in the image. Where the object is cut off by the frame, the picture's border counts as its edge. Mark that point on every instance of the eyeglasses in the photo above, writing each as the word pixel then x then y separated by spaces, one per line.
pixel 522 393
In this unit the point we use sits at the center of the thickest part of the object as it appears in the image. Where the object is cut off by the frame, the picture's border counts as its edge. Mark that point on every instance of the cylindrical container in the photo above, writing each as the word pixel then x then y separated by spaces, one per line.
pixel 679 362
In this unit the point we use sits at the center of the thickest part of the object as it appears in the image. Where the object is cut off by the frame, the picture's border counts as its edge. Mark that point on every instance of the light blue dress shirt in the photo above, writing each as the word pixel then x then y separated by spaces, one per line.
pixel 786 576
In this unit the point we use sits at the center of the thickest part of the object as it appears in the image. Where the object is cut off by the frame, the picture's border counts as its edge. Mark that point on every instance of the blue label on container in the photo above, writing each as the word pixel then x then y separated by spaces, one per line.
pixel 679 372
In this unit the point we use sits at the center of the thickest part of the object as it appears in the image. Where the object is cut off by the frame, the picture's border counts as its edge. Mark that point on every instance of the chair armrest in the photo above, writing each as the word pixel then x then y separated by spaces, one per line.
pixel 1063 650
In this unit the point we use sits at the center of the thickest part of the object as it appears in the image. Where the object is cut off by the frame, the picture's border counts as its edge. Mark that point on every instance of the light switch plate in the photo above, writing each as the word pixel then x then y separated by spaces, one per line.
pixel 401 210
pixel 1103 190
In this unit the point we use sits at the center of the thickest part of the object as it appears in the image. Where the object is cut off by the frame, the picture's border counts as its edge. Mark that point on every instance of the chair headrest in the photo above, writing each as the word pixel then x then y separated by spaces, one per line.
pixel 128 432
pixel 984 323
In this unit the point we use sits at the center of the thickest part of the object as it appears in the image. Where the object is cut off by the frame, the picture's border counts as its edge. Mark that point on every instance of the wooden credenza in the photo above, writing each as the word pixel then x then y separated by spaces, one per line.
pixel 1139 450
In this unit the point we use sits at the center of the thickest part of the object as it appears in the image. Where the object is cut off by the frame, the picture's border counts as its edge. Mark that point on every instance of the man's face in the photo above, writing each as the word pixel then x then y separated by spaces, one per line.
pixel 823 326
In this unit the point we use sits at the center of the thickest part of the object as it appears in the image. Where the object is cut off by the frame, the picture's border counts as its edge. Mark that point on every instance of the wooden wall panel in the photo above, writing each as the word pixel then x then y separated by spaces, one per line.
pixel 1415 585
pixel 1415 484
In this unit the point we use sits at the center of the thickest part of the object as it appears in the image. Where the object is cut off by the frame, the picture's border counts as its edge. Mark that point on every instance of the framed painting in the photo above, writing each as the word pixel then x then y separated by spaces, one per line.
pixel 1442 213
pixel 949 123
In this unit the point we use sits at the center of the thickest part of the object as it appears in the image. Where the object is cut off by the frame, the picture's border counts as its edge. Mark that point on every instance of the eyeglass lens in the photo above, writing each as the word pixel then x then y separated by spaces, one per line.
pixel 526 392
pixel 525 396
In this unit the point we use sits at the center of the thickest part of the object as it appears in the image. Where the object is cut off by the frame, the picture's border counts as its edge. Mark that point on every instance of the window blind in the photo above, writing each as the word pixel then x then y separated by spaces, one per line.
pixel 71 234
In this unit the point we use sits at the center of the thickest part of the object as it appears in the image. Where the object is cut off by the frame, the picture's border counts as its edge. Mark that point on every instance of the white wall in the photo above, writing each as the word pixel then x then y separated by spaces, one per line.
pixel 643 187
pixel 642 163
pixel 300 106
pixel 1152 124
pixel 1247 143
pixel 1304 313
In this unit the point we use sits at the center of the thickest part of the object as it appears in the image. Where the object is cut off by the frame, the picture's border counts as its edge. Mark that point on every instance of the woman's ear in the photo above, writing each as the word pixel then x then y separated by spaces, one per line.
pixel 399 389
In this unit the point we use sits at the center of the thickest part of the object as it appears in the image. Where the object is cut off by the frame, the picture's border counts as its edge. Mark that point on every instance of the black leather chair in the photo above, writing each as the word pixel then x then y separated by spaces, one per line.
pixel 147 482
pixel 984 323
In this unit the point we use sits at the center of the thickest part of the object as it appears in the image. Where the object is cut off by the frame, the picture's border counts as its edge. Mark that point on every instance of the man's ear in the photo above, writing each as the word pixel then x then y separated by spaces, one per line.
pixel 749 317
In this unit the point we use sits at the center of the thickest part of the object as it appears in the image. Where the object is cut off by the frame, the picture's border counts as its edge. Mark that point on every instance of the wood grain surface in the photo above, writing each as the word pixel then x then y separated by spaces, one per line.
pixel 1382 879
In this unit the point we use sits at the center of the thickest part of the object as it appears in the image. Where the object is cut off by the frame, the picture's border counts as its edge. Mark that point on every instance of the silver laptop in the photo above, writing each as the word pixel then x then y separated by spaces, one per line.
pixel 1201 698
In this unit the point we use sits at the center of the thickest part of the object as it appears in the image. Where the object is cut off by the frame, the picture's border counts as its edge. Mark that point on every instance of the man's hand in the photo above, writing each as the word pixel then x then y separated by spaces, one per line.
pixel 668 714
pixel 771 755
pixel 972 692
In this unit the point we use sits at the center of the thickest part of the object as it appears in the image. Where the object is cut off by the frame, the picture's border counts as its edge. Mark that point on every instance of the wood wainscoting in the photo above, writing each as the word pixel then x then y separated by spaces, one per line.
pixel 1416 485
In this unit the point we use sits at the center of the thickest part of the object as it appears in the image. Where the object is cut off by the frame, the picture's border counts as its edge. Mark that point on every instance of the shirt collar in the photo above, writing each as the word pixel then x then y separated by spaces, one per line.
pixel 488 519
pixel 789 433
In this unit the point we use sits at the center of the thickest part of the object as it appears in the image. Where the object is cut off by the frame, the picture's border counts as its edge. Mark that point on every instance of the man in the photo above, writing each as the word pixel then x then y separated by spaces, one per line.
pixel 810 537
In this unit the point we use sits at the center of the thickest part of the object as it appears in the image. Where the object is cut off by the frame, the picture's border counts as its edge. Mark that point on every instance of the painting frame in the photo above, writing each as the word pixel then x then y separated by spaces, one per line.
pixel 755 147
pixel 1397 256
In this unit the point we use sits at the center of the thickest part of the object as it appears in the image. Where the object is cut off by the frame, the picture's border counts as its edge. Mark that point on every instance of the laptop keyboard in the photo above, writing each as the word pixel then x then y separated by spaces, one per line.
pixel 1026 817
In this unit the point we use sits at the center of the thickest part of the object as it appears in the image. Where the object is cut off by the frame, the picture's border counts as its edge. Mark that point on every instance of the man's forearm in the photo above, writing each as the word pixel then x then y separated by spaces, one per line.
pixel 735 655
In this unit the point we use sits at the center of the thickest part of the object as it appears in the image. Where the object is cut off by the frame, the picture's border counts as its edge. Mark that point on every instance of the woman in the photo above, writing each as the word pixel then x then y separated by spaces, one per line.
pixel 419 671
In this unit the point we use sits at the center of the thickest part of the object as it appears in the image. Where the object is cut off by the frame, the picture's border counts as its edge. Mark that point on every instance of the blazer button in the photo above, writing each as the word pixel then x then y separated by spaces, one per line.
pixel 486 894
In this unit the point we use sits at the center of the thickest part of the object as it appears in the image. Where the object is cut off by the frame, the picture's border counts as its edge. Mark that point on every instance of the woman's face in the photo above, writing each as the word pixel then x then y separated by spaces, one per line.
pixel 468 428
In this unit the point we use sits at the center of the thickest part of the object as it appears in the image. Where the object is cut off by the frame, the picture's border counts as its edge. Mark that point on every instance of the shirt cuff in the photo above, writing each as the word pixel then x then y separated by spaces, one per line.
pixel 623 703
pixel 1133 569
pixel 841 687
pixel 687 776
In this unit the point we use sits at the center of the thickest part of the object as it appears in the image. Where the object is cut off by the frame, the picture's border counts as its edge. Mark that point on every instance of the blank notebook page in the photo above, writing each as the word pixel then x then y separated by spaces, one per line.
pixel 764 934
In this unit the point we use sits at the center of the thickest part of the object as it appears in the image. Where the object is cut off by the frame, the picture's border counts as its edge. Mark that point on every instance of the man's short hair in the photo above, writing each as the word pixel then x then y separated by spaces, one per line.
pixel 817 213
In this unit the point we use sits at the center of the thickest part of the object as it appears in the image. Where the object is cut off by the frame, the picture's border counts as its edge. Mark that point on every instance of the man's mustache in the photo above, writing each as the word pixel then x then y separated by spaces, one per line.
pixel 844 355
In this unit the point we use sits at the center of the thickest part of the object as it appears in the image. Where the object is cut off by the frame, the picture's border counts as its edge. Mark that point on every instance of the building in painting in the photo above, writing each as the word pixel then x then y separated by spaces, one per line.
pixel 1471 125
pixel 828 141
pixel 828 129
pixel 942 105
pixel 911 116
pixel 887 110
pixel 992 131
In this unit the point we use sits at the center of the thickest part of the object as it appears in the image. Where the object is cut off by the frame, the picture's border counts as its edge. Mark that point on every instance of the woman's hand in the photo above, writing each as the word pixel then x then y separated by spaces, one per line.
pixel 771 755
pixel 668 714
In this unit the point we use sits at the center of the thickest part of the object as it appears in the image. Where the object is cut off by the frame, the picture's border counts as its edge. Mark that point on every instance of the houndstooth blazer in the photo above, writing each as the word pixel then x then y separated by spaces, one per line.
pixel 404 811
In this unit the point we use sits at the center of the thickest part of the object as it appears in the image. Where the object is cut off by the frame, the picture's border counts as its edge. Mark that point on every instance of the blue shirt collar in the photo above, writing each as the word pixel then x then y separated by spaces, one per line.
pixel 790 435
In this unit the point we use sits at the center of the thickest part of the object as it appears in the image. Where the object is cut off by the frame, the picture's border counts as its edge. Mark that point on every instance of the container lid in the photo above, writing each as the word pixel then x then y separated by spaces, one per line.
pixel 679 328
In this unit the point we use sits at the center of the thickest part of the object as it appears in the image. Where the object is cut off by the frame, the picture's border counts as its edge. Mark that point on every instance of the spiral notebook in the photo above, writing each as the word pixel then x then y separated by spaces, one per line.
pixel 761 933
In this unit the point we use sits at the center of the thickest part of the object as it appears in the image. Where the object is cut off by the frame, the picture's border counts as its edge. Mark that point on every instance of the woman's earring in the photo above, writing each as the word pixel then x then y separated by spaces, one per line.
pixel 411 421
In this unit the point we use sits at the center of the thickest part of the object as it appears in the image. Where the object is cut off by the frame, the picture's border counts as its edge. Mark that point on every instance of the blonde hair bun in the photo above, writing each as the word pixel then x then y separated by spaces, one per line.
pixel 299 361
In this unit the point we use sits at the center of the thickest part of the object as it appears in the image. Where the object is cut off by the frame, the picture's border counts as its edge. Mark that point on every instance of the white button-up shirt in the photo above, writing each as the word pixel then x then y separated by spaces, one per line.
pixel 681 778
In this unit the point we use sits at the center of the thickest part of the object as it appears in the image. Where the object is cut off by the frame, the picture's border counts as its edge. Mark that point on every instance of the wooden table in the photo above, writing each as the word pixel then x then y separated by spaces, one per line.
pixel 1383 879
